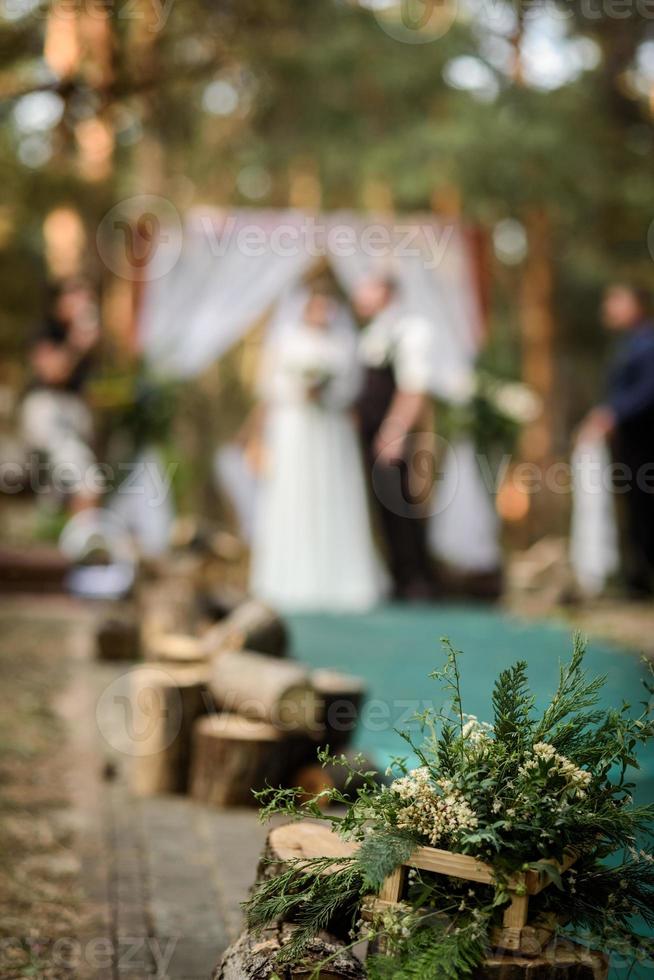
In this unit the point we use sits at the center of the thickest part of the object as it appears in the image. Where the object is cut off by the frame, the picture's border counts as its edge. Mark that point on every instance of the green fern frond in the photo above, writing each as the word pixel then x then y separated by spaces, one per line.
pixel 513 706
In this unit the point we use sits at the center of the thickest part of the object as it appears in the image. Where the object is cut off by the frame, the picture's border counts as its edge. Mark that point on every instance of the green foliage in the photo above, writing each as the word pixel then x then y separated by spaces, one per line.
pixel 380 854
pixel 434 951
pixel 310 892
pixel 513 707
pixel 517 793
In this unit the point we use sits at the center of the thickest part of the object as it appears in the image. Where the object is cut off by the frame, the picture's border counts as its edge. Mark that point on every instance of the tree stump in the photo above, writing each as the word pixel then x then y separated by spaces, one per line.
pixel 118 639
pixel 232 756
pixel 292 841
pixel 341 697
pixel 164 703
pixel 278 692
pixel 251 626
pixel 253 957
pixel 167 605
pixel 562 960
pixel 304 840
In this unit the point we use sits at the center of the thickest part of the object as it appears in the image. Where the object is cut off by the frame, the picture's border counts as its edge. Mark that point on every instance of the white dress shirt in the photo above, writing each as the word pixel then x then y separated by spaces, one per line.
pixel 402 341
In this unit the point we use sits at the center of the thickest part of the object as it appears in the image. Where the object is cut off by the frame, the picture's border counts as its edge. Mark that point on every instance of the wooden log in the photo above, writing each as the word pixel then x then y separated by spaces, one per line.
pixel 216 602
pixel 251 626
pixel 118 639
pixel 41 568
pixel 167 605
pixel 176 648
pixel 562 960
pixel 278 692
pixel 254 957
pixel 293 841
pixel 165 703
pixel 232 756
pixel 305 840
pixel 341 698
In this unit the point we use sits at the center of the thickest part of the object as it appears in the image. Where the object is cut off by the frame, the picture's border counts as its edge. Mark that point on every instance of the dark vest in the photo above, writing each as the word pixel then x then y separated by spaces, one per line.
pixel 374 401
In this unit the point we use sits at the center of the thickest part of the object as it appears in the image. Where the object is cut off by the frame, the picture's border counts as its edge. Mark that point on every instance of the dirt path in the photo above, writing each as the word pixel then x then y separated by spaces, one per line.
pixel 96 883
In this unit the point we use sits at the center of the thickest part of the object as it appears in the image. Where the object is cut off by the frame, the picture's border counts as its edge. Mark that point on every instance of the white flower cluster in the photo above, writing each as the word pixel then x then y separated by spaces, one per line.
pixel 475 731
pixel 435 808
pixel 557 765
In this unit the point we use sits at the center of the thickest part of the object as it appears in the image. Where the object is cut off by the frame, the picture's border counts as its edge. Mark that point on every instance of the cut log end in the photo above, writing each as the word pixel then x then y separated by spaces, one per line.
pixel 234 756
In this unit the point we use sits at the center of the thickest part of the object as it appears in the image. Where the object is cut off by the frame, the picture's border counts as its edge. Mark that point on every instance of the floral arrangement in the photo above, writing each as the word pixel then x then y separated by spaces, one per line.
pixel 520 792
pixel 491 411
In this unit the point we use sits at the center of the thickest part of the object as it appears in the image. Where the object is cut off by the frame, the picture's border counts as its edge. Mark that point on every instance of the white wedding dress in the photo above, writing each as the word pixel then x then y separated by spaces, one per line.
pixel 312 545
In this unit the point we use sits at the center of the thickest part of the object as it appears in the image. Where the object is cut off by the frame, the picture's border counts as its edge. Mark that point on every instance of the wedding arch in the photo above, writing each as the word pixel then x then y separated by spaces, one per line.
pixel 221 272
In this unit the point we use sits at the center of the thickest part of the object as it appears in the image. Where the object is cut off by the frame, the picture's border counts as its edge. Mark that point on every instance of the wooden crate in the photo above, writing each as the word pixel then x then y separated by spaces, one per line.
pixel 516 934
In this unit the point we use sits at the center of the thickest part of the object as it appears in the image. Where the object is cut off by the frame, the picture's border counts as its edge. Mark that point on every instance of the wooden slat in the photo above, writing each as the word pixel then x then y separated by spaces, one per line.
pixel 537 880
pixel 517 913
pixel 447 863
pixel 392 888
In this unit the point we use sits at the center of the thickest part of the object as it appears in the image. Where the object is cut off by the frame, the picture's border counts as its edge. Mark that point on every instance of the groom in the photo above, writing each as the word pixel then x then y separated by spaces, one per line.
pixel 393 408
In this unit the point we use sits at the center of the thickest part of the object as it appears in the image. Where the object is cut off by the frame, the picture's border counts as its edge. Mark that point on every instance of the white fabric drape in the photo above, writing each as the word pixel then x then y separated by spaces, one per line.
pixel 464 530
pixel 594 548
pixel 234 268
pixel 223 282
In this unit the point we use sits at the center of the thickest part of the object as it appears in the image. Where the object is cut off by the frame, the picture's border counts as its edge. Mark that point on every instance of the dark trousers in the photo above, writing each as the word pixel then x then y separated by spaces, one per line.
pixel 401 517
pixel 404 527
pixel 634 449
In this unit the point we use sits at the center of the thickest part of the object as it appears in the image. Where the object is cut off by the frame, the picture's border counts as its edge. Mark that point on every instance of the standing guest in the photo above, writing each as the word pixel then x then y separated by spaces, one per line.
pixel 55 419
pixel 312 546
pixel 396 351
pixel 626 419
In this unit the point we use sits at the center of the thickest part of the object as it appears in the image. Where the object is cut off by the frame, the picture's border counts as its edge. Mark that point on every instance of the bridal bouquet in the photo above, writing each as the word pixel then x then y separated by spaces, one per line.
pixel 311 367
pixel 519 792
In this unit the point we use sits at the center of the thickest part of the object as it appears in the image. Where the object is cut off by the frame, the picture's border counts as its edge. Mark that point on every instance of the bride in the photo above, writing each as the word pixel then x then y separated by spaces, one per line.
pixel 312 545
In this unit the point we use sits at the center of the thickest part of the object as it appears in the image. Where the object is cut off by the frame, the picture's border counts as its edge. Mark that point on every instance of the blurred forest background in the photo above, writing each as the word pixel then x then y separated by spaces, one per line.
pixel 534 121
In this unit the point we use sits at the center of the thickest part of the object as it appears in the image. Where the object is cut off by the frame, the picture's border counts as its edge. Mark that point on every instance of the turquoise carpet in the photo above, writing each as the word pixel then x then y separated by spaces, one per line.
pixel 395 648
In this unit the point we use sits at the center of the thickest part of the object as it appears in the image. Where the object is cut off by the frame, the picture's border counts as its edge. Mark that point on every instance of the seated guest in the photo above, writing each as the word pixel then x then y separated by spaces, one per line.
pixel 55 419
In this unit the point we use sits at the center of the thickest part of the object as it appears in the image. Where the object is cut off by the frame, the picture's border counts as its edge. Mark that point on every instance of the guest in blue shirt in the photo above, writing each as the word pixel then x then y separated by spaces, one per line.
pixel 626 419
